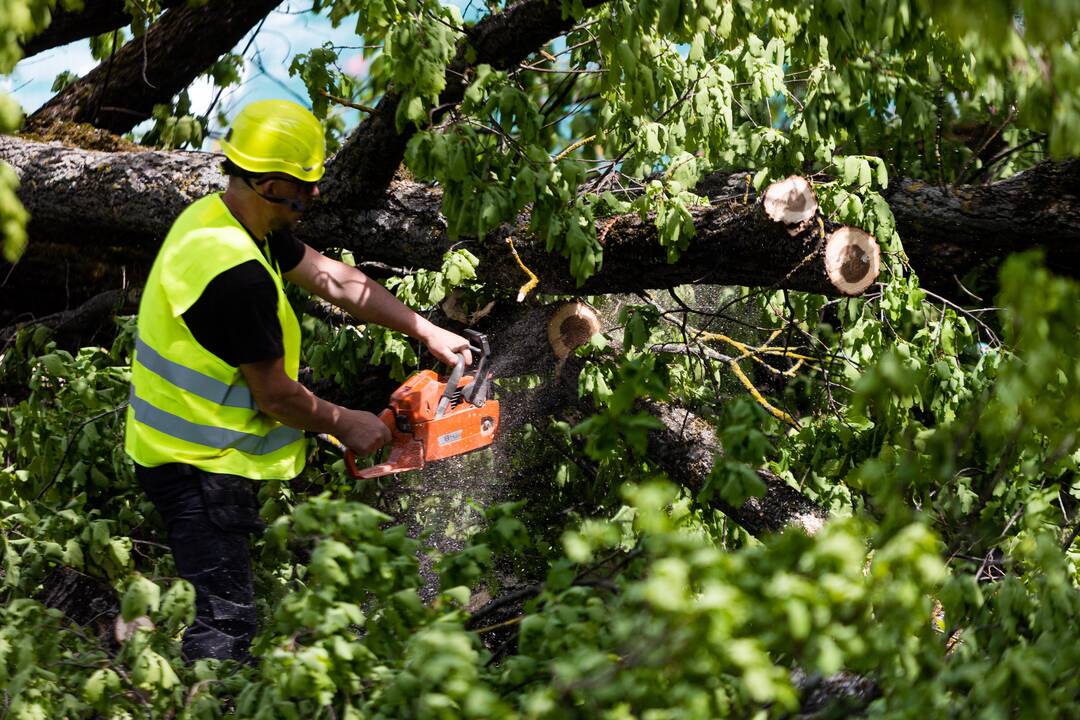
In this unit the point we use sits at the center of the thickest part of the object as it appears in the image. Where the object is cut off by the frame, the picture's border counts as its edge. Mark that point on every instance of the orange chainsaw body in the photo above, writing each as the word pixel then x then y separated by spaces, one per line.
pixel 420 434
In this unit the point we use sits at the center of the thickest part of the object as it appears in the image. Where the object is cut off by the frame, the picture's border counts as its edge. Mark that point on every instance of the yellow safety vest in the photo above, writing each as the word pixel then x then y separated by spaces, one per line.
pixel 186 404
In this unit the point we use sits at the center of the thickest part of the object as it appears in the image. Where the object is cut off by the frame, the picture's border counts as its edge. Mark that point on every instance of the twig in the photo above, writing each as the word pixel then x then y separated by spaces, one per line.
pixel 108 75
pixel 214 102
pixel 990 333
pixel 963 168
pixel 1009 151
pixel 505 623
pixel 347 103
pixel 571 148
pixel 525 289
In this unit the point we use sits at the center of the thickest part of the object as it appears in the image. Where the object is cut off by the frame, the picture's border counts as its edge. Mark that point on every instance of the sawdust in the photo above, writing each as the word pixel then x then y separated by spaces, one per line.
pixel 445 501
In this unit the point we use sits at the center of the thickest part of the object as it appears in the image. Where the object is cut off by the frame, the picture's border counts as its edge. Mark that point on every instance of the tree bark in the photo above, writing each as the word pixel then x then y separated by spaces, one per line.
pixel 121 92
pixel 363 169
pixel 126 202
pixel 949 231
pixel 67 26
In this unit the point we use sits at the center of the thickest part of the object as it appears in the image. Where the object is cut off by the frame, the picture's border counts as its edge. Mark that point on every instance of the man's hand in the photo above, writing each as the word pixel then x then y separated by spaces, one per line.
pixel 446 345
pixel 364 433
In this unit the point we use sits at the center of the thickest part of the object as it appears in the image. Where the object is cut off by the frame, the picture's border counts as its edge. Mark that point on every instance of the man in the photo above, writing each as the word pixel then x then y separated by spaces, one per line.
pixel 215 404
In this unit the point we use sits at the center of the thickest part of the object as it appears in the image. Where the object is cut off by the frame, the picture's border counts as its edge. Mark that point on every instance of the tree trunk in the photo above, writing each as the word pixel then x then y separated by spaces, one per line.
pixel 121 92
pixel 67 26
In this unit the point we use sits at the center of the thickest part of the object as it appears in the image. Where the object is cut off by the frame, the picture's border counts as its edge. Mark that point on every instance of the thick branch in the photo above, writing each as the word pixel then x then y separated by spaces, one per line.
pixel 364 168
pixel 120 93
pixel 686 448
pixel 129 200
pixel 950 231
pixel 95 18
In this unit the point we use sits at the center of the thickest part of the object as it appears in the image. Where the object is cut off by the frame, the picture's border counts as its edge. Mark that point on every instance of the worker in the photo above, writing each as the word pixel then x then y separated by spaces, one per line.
pixel 215 405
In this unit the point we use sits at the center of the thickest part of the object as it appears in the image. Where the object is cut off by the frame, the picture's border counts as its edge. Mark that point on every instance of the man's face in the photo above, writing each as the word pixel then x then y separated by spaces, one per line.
pixel 290 189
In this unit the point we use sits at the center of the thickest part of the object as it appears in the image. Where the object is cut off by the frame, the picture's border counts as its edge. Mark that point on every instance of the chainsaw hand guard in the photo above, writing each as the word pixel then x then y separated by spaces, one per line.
pixel 403 457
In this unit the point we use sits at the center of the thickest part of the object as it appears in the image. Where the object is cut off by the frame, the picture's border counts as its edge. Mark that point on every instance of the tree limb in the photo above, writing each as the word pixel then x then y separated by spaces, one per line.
pixel 362 171
pixel 120 93
pixel 948 231
pixel 128 200
pixel 95 18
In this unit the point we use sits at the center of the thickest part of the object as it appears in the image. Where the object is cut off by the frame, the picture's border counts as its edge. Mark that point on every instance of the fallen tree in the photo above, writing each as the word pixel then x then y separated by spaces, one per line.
pixel 129 199
pixel 736 242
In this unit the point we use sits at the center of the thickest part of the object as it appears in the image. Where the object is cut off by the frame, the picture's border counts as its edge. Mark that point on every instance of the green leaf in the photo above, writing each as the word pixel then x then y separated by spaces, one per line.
pixel 142 597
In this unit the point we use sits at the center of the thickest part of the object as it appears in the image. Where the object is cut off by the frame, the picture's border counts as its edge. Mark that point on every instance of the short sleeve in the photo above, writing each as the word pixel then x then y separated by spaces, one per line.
pixel 236 316
pixel 286 249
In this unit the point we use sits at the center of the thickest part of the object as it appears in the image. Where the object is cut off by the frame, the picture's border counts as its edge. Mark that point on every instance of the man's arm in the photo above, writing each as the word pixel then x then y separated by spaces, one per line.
pixel 290 403
pixel 367 300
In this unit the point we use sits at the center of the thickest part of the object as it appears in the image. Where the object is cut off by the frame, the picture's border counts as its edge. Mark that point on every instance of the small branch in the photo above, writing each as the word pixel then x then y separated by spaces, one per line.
pixel 525 289
pixel 347 103
pixel 574 147
pixel 505 623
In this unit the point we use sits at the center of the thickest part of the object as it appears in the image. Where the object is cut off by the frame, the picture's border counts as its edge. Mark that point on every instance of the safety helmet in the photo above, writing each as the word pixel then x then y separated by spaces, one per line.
pixel 276 136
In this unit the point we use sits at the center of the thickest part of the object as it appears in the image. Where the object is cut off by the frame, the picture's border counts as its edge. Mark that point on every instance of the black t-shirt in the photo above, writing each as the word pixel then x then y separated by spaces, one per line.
pixel 235 318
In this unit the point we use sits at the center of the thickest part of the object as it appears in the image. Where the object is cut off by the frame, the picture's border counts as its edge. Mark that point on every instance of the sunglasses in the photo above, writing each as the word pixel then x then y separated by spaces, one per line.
pixel 305 186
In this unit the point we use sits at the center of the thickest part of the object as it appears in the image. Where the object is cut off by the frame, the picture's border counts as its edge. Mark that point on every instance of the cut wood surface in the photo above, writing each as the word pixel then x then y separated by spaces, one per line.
pixel 791 201
pixel 852 260
pixel 571 327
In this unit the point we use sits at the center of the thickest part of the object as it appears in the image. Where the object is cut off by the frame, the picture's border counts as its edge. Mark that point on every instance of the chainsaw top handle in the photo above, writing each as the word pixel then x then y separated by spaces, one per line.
pixel 451 385
pixel 471 392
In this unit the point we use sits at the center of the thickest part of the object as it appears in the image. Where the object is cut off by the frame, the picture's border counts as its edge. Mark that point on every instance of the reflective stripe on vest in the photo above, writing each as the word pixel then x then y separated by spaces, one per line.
pixel 208 435
pixel 206 387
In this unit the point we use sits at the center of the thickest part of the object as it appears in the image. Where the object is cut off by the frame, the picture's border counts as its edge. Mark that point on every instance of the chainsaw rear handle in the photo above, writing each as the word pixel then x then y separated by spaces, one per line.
pixel 387 418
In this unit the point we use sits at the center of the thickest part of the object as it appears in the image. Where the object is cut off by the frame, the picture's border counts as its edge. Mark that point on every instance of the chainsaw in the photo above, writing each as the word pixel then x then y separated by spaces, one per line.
pixel 433 418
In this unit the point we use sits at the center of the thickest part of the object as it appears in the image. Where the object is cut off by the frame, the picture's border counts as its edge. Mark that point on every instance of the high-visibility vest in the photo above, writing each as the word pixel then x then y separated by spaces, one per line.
pixel 186 404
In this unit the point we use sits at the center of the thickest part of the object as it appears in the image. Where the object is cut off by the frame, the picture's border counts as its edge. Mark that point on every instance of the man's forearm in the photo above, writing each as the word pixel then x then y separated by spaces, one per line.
pixel 372 303
pixel 300 408
pixel 369 302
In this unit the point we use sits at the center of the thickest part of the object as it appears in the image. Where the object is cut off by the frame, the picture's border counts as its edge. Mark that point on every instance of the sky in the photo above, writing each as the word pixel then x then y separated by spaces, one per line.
pixel 288 30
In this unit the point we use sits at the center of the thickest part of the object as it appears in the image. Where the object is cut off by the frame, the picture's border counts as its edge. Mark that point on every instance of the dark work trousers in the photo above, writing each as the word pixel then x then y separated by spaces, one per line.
pixel 208 518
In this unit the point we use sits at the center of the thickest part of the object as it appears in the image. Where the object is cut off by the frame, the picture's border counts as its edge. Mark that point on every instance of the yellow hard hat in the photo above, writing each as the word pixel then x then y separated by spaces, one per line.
pixel 276 136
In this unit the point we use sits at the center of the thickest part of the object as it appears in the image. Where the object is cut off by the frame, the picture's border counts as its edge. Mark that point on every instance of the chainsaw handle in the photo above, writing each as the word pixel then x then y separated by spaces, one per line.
pixel 451 385
pixel 350 457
